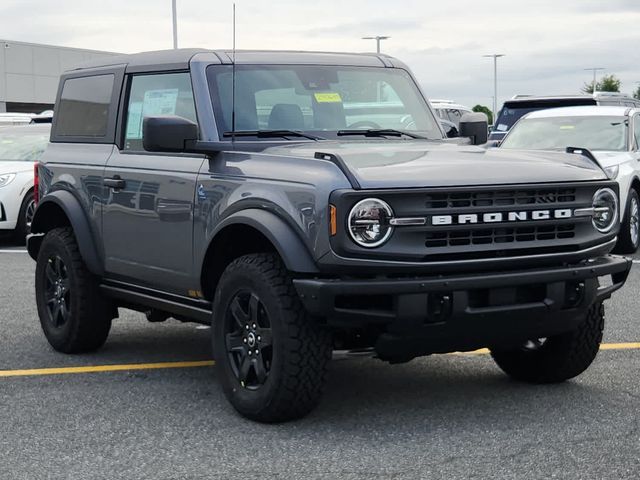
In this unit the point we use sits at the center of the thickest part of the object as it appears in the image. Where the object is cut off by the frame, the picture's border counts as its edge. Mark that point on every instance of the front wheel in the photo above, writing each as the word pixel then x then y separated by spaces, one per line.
pixel 558 358
pixel 271 356
pixel 629 237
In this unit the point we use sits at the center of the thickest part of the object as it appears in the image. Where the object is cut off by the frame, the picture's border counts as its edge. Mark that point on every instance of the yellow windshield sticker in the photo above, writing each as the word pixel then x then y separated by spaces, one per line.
pixel 567 127
pixel 328 97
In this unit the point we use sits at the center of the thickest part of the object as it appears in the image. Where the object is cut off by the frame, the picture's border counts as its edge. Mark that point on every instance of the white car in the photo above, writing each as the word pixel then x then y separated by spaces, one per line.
pixel 20 148
pixel 610 134
pixel 449 111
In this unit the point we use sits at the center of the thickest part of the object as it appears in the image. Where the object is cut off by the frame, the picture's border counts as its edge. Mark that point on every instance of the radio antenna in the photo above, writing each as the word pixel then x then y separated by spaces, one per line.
pixel 233 80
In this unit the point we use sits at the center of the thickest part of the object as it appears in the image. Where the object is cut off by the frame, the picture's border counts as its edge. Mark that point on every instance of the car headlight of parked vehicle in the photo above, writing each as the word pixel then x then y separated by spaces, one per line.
pixel 605 209
pixel 612 171
pixel 368 222
pixel 6 179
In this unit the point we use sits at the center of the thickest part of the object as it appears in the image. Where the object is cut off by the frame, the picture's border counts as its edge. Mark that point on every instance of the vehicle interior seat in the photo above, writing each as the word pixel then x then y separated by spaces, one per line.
pixel 286 116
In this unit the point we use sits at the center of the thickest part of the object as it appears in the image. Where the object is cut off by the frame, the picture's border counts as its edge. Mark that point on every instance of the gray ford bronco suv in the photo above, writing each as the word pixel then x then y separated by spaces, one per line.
pixel 305 202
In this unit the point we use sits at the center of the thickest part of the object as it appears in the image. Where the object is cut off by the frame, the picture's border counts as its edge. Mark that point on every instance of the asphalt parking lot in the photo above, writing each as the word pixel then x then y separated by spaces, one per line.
pixel 448 416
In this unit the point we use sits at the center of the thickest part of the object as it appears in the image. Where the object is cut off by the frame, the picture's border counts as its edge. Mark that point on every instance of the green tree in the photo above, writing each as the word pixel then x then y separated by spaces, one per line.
pixel 483 109
pixel 608 83
pixel 636 93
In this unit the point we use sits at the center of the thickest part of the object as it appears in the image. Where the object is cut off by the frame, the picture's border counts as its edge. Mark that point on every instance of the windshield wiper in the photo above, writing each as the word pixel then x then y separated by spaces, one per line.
pixel 379 132
pixel 270 134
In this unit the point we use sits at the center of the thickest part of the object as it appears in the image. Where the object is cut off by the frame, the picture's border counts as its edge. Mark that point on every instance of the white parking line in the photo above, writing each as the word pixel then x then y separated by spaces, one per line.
pixel 13 251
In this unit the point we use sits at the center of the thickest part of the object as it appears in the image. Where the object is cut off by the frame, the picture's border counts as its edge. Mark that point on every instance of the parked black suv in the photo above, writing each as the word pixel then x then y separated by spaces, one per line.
pixel 302 202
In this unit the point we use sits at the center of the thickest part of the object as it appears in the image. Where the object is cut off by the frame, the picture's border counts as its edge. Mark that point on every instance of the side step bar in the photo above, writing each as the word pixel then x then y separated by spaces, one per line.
pixel 196 310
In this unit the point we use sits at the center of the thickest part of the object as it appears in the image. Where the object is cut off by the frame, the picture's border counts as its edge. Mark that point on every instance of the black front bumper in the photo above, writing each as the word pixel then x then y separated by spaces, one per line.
pixel 462 312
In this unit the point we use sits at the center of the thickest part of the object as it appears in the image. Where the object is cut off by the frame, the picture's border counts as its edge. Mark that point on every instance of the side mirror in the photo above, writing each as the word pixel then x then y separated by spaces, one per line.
pixel 167 133
pixel 475 126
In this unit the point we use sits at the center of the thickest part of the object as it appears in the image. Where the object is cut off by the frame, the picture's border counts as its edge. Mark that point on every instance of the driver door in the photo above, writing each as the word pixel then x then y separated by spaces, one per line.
pixel 148 208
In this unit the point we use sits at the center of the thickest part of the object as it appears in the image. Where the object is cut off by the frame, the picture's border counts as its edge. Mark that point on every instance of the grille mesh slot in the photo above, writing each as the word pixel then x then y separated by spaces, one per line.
pixel 502 198
pixel 498 235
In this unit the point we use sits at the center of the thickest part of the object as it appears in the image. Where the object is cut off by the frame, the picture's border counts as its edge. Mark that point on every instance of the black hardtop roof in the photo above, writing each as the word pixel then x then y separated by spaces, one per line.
pixel 180 58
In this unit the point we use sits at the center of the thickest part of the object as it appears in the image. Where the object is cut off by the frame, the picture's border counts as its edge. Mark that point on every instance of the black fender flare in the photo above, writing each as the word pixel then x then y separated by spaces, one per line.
pixel 294 253
pixel 72 209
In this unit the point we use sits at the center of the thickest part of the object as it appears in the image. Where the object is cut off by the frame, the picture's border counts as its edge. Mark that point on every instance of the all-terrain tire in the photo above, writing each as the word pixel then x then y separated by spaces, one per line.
pixel 558 358
pixel 63 279
pixel 626 241
pixel 300 348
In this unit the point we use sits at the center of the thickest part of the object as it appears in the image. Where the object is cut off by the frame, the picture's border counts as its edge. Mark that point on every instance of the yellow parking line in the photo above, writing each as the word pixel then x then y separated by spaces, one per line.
pixel 208 363
pixel 104 368
pixel 603 346
pixel 620 346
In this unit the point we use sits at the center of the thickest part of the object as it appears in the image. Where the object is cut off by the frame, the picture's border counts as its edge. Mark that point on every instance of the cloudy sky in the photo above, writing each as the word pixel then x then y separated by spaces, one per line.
pixel 547 43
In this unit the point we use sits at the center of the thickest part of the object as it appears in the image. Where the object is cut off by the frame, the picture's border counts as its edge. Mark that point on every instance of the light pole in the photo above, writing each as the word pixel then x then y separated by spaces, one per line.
pixel 495 57
pixel 175 24
pixel 594 69
pixel 377 38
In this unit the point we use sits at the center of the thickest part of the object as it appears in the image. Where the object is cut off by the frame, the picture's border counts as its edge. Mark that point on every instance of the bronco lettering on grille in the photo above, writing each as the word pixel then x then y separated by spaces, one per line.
pixel 498 217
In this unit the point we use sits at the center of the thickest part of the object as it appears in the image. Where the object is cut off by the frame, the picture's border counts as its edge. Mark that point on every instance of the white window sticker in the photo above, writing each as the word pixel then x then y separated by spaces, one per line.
pixel 160 102
pixel 502 127
pixel 134 122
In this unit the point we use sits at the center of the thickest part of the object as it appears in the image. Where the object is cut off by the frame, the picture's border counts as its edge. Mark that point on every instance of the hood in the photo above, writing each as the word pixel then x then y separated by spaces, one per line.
pixel 415 163
pixel 611 158
pixel 15 167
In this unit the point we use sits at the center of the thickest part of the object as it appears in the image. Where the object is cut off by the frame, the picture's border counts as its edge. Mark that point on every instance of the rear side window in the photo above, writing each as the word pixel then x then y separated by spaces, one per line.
pixel 83 110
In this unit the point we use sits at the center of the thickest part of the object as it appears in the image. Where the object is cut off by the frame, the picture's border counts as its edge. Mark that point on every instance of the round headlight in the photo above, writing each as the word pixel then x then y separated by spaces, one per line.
pixel 605 209
pixel 368 222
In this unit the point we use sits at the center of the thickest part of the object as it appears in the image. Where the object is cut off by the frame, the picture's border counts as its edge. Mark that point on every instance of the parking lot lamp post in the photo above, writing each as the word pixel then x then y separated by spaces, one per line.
pixel 377 38
pixel 175 24
pixel 495 57
pixel 594 69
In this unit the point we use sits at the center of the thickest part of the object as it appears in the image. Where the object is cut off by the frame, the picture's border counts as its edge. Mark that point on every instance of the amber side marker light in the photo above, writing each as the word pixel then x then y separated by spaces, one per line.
pixel 333 222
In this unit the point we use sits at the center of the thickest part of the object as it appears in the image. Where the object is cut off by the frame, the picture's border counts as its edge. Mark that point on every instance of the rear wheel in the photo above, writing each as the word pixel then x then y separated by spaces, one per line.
pixel 25 217
pixel 629 237
pixel 272 358
pixel 74 315
pixel 558 358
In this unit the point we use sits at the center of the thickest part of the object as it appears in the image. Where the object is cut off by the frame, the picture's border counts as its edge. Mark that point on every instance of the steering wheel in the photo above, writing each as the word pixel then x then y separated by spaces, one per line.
pixel 364 125
pixel 408 123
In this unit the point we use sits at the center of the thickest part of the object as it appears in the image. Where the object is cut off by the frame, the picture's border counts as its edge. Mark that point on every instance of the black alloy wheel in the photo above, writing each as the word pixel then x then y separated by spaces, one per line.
pixel 248 339
pixel 57 291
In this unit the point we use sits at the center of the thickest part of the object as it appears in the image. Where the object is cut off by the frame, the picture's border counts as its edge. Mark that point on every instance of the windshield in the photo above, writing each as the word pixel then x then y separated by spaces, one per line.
pixel 22 145
pixel 508 116
pixel 593 133
pixel 513 111
pixel 319 100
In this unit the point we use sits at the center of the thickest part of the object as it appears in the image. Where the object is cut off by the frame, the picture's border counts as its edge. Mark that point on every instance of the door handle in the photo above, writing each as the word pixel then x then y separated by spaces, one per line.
pixel 116 183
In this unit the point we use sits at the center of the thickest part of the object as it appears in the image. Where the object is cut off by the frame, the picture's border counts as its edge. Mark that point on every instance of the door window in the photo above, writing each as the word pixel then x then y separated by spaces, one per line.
pixel 157 95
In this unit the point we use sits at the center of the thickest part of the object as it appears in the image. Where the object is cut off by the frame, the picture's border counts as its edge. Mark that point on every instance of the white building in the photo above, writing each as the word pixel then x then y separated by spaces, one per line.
pixel 29 73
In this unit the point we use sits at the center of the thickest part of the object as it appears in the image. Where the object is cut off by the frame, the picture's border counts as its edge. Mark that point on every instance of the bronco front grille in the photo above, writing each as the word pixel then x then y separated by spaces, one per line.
pixel 501 198
pixel 498 235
